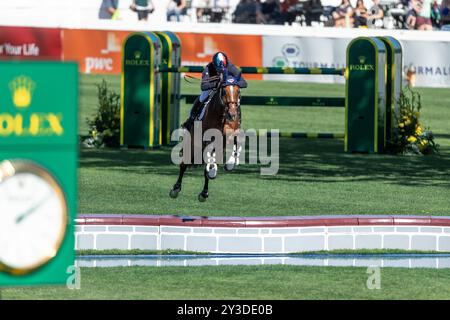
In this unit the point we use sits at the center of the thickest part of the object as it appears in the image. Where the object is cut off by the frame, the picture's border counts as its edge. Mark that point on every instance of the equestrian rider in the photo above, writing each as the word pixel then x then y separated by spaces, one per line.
pixel 219 70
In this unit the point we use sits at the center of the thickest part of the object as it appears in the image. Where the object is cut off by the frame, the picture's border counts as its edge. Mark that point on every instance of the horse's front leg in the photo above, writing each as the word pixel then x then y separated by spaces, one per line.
pixel 204 194
pixel 211 163
pixel 233 159
pixel 177 186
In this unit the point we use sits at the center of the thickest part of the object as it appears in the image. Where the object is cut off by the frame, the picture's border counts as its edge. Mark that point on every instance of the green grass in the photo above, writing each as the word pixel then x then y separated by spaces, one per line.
pixel 315 177
pixel 245 282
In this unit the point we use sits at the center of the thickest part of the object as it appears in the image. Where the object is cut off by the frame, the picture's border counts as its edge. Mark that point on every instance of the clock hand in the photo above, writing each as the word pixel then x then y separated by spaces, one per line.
pixel 32 209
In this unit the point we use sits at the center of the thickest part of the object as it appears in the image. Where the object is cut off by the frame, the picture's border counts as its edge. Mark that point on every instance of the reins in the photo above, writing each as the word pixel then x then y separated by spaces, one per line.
pixel 189 79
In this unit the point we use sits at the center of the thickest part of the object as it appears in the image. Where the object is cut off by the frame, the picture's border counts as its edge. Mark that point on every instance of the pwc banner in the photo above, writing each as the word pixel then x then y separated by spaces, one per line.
pixel 242 50
pixel 96 51
pixel 24 43
pixel 99 51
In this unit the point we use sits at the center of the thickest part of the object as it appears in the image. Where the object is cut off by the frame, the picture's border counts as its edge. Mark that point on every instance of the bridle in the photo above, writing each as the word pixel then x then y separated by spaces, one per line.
pixel 231 106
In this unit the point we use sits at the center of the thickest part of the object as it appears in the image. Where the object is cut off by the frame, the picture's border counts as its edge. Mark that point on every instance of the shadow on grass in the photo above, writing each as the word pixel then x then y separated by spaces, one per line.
pixel 326 162
pixel 300 160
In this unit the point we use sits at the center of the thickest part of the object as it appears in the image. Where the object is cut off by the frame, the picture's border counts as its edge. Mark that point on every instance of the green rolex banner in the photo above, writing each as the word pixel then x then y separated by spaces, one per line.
pixel 394 60
pixel 38 172
pixel 170 84
pixel 365 114
pixel 140 111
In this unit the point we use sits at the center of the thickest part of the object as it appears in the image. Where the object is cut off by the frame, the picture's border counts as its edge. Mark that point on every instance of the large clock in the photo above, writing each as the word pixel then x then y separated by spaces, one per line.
pixel 33 216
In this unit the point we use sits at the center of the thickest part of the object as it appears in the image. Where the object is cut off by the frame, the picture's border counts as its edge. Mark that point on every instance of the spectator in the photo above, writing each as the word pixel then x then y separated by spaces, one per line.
pixel 411 17
pixel 142 8
pixel 313 11
pixel 175 8
pixel 445 13
pixel 271 12
pixel 343 14
pixel 376 14
pixel 200 6
pixel 436 14
pixel 289 10
pixel 423 11
pixel 245 12
pixel 219 9
pixel 360 16
pixel 109 9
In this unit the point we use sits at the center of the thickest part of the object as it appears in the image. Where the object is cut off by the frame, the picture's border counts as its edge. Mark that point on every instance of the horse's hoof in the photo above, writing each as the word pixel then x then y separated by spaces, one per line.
pixel 174 193
pixel 229 167
pixel 211 171
pixel 202 196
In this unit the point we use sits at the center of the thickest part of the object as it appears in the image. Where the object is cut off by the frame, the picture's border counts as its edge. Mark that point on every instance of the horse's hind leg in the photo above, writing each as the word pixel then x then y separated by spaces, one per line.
pixel 177 186
pixel 211 165
pixel 204 194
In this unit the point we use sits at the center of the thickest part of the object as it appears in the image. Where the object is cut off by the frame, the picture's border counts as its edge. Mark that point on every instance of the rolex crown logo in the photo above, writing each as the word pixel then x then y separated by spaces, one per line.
pixel 22 88
pixel 137 55
pixel 362 59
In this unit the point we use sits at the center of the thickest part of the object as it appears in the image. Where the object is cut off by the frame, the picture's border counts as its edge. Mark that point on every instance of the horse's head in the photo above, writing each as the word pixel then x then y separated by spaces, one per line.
pixel 231 99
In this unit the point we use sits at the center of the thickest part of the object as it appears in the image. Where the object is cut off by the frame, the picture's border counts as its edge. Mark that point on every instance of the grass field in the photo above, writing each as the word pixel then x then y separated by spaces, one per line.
pixel 246 282
pixel 315 176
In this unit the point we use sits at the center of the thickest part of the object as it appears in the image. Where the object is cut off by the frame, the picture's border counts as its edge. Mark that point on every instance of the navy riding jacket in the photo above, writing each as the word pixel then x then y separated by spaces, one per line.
pixel 231 72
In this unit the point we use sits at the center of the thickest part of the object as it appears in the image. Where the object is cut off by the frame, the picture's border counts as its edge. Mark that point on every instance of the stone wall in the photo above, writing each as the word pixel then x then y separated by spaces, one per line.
pixel 262 235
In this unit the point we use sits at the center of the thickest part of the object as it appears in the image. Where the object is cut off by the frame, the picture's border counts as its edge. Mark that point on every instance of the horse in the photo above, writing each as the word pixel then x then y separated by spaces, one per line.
pixel 222 113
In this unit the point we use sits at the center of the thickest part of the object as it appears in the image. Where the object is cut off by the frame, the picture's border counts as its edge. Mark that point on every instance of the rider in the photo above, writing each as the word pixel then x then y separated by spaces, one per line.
pixel 219 70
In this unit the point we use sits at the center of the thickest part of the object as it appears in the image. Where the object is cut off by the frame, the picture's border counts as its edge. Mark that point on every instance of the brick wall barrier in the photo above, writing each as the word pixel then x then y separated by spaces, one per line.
pixel 262 234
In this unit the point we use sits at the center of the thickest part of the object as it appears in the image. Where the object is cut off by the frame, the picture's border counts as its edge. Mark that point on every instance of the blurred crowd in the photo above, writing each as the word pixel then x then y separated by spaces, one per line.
pixel 388 14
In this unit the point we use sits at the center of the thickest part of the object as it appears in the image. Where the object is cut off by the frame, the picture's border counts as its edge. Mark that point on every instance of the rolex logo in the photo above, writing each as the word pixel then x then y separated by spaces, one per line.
pixel 138 61
pixel 362 66
pixel 137 55
pixel 22 88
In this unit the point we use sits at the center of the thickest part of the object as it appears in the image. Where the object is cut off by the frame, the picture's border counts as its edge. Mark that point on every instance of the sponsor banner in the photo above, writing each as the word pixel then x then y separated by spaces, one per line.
pixel 429 61
pixel 96 51
pixel 431 66
pixel 99 51
pixel 304 53
pixel 24 43
pixel 242 50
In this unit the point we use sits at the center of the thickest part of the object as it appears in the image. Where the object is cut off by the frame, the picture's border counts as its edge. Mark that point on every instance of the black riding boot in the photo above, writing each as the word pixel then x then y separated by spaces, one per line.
pixel 196 108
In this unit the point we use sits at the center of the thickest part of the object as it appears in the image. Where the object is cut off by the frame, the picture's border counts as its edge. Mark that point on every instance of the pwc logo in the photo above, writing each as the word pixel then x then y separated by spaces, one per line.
pixel 24 122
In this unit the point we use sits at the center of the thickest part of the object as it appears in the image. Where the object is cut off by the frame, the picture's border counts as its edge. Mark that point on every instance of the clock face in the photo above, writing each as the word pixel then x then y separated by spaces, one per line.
pixel 33 216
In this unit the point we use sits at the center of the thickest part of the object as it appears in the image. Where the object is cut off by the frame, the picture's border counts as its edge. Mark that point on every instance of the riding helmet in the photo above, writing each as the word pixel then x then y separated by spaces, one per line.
pixel 220 61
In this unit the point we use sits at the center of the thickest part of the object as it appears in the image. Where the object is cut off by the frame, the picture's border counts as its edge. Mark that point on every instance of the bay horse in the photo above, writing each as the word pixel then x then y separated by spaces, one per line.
pixel 222 113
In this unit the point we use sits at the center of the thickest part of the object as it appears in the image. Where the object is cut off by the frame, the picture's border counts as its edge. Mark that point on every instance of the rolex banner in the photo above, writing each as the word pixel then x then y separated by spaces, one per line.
pixel 38 165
